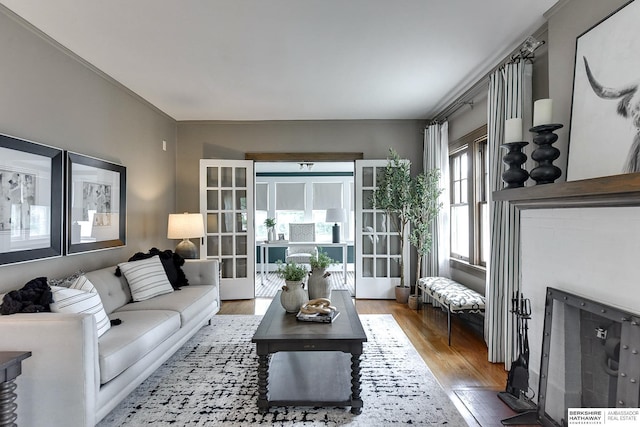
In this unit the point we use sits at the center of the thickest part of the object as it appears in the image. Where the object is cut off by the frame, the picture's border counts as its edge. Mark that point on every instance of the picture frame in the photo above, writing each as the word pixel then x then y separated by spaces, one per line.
pixel 605 95
pixel 31 200
pixel 96 204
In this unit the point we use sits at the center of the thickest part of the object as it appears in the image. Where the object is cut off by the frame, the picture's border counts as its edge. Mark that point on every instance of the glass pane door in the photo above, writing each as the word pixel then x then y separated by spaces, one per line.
pixel 226 200
pixel 377 246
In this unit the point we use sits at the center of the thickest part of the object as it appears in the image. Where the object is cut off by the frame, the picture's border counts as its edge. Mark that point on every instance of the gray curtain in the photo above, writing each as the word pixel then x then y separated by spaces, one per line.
pixel 436 156
pixel 509 97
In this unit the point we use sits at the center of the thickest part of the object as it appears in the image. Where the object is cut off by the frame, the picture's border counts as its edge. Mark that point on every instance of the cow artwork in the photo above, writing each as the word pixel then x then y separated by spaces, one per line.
pixel 628 107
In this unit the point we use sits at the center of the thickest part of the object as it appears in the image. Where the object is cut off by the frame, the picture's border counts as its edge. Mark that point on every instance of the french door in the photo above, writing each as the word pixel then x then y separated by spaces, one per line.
pixel 226 202
pixel 377 247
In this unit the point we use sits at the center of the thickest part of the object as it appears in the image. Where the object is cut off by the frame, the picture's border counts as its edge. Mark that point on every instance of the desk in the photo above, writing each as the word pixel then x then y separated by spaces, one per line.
pixel 264 252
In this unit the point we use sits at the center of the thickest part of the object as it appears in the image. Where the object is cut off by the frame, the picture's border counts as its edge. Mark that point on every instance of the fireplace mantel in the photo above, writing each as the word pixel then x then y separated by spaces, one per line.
pixel 616 190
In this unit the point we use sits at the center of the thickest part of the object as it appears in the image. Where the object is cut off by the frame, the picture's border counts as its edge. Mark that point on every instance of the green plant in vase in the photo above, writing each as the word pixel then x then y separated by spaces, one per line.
pixel 320 261
pixel 319 285
pixel 293 294
pixel 292 272
pixel 270 223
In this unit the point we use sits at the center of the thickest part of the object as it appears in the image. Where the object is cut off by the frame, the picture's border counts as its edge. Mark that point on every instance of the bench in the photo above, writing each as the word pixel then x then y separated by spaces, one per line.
pixel 452 296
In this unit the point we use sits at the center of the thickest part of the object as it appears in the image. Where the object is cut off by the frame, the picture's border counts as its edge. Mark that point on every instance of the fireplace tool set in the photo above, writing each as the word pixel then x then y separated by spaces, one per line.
pixel 518 379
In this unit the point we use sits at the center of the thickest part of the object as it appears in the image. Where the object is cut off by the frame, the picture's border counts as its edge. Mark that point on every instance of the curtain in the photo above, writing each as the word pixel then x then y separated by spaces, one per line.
pixel 290 197
pixel 327 195
pixel 509 97
pixel 262 197
pixel 436 156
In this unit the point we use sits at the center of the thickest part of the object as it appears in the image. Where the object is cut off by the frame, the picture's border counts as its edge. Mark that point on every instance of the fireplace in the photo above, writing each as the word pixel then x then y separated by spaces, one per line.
pixel 590 357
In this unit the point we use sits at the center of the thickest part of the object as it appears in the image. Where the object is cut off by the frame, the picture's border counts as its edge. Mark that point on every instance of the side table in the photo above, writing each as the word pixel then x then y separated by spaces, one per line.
pixel 10 368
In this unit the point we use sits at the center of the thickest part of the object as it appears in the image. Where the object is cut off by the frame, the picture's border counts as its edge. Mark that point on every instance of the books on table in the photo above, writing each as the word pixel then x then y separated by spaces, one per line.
pixel 318 317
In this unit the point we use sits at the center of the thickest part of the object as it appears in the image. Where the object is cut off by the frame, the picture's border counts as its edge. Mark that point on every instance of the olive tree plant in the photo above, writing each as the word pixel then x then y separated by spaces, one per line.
pixel 393 195
pixel 423 209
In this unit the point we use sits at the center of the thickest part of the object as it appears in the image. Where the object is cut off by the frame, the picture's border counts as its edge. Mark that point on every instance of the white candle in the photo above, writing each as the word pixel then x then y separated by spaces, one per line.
pixel 513 130
pixel 542 112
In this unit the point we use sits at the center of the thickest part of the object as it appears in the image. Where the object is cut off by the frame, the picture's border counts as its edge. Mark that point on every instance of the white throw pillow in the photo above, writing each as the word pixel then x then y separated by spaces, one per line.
pixel 146 278
pixel 81 297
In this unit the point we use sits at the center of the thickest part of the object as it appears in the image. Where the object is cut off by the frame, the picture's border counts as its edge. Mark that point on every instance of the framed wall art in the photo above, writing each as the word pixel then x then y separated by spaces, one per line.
pixel 31 198
pixel 604 136
pixel 96 204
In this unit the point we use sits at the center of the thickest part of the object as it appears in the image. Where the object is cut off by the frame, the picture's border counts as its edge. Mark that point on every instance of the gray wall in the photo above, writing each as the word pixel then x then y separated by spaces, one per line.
pixel 49 97
pixel 565 25
pixel 231 140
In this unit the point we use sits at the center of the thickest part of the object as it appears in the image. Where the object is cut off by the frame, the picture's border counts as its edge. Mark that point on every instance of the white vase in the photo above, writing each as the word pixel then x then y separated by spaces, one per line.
pixel 293 296
pixel 319 284
pixel 271 234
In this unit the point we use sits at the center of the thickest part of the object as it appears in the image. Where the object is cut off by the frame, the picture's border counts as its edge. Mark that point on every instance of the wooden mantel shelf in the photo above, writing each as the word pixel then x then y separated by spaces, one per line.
pixel 616 190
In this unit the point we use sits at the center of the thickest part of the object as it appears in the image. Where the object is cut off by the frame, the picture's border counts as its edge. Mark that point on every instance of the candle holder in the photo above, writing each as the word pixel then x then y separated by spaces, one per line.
pixel 515 176
pixel 545 154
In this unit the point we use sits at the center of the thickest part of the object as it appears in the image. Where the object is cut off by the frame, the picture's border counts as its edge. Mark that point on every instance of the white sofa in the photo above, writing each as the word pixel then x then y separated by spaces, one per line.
pixel 74 378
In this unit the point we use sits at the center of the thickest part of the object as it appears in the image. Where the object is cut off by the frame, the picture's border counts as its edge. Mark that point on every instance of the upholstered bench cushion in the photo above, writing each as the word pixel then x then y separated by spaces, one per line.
pixel 454 295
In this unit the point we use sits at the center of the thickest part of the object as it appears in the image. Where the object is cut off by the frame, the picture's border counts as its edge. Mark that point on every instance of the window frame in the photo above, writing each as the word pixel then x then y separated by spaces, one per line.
pixel 474 144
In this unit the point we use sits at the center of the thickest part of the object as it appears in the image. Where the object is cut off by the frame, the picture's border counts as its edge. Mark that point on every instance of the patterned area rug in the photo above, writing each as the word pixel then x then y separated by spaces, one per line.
pixel 211 381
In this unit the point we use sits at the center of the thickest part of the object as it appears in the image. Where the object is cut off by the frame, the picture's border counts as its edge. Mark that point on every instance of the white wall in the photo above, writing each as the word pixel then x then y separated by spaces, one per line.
pixel 48 96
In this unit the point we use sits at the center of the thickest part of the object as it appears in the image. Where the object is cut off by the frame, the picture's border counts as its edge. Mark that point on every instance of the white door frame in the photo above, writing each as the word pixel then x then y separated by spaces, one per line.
pixel 227 204
pixel 377 249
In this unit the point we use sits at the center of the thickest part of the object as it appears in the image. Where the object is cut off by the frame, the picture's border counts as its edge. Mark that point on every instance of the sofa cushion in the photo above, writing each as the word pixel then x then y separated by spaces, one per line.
pixel 80 297
pixel 189 302
pixel 171 262
pixel 114 291
pixel 140 332
pixel 146 278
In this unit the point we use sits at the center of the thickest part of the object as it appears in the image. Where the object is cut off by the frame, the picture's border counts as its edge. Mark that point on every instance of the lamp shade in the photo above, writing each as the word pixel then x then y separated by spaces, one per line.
pixel 185 226
pixel 336 215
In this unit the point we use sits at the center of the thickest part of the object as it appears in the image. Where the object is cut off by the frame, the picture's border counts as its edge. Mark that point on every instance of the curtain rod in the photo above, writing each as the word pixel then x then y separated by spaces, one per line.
pixel 521 52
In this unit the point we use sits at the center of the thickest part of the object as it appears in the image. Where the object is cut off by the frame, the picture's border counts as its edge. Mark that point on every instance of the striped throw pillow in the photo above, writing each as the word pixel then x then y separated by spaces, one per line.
pixel 81 297
pixel 146 278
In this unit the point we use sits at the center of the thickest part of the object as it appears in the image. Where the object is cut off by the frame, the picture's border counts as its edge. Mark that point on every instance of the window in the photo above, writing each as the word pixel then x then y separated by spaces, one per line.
pixel 468 162
pixel 295 198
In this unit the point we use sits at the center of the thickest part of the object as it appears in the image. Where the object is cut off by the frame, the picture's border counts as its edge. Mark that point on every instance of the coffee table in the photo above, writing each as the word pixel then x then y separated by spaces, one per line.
pixel 310 364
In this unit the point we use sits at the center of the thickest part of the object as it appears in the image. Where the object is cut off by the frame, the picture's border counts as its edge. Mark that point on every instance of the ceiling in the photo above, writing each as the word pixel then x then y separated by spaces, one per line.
pixel 290 59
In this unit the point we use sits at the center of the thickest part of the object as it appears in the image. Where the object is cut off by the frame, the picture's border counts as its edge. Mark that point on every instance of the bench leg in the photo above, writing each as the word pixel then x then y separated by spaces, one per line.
pixel 449 326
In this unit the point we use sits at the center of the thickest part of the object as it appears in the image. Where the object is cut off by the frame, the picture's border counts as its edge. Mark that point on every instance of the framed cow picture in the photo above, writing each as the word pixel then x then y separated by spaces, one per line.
pixel 604 137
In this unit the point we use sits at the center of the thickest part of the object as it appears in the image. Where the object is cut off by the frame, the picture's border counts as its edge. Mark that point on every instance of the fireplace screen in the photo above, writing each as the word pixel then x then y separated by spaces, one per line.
pixel 590 357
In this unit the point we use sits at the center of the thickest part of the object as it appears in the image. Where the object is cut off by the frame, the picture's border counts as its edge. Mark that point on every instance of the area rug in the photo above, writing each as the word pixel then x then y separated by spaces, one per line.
pixel 211 381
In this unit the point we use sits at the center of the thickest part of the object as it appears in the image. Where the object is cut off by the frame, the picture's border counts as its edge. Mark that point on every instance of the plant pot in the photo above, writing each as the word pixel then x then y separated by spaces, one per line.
pixel 402 294
pixel 293 296
pixel 413 302
pixel 271 234
pixel 319 285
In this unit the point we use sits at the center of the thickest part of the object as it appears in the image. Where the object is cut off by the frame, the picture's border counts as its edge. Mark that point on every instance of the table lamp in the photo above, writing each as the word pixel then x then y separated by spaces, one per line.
pixel 185 226
pixel 336 215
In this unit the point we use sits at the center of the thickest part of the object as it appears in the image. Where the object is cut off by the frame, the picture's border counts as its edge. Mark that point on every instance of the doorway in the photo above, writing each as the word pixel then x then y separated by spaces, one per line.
pixel 292 192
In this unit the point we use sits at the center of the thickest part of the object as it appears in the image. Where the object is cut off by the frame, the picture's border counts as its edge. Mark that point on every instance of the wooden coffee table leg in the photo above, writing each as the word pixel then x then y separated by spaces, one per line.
pixel 263 383
pixel 356 401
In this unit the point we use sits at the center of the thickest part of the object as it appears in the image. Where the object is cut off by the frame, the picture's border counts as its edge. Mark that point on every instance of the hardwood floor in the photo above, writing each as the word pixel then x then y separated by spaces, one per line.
pixel 462 368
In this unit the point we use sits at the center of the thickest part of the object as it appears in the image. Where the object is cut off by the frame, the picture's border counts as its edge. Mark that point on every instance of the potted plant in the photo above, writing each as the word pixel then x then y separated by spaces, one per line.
pixel 424 207
pixel 319 284
pixel 270 223
pixel 293 294
pixel 393 196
